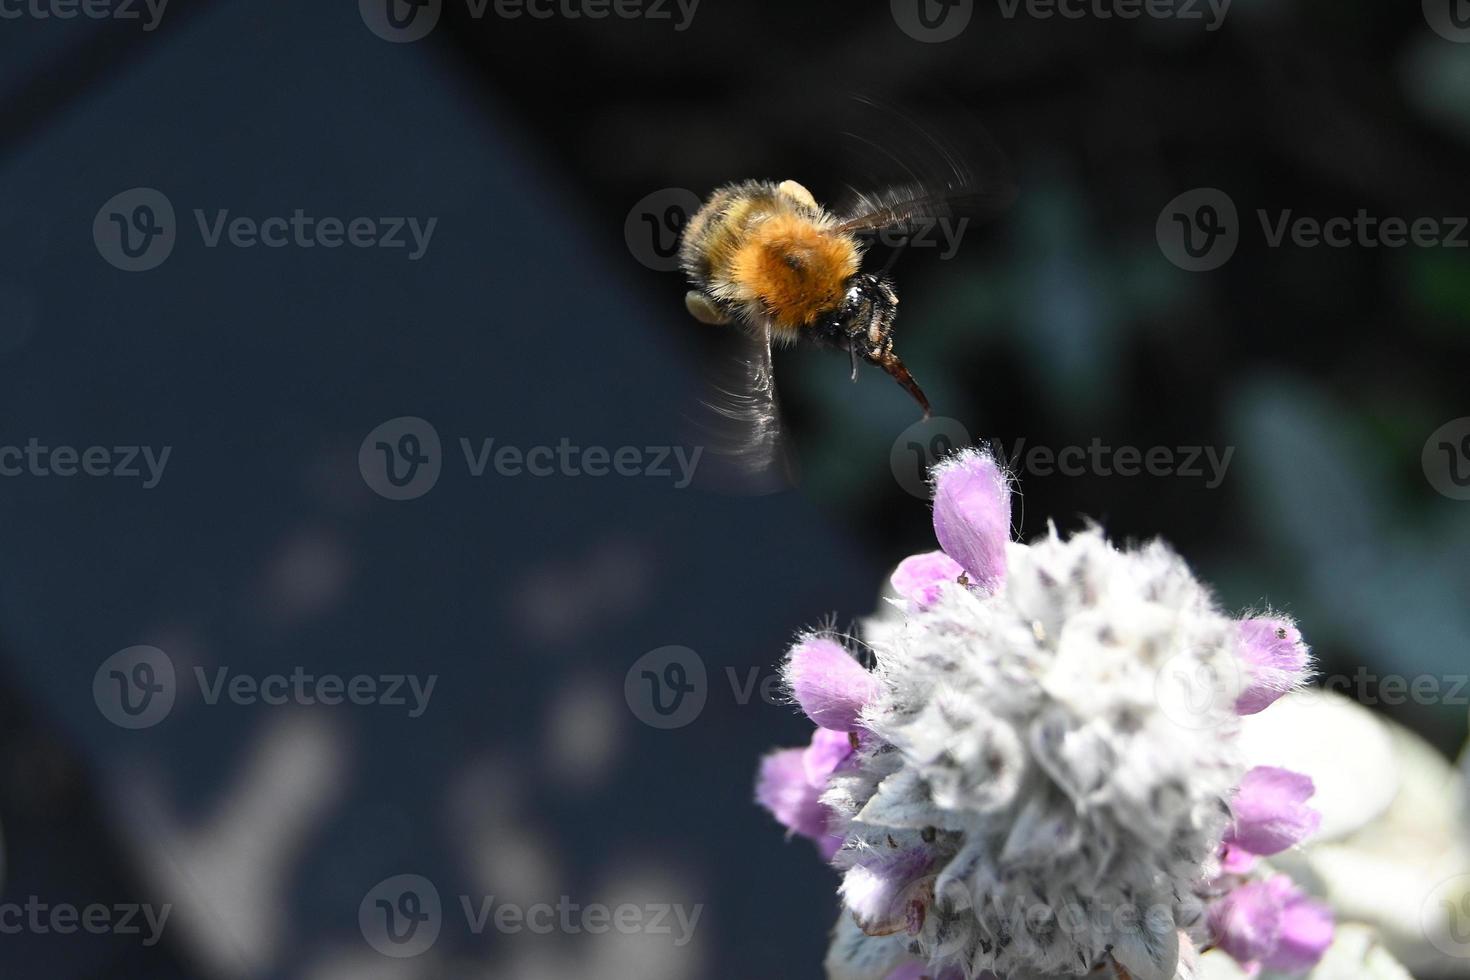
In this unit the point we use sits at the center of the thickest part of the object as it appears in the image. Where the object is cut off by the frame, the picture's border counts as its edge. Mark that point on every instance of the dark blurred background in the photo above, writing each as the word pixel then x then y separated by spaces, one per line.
pixel 533 316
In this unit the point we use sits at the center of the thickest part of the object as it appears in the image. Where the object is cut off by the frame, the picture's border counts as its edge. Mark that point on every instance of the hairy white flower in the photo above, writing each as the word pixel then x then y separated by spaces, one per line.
pixel 1040 774
pixel 1050 776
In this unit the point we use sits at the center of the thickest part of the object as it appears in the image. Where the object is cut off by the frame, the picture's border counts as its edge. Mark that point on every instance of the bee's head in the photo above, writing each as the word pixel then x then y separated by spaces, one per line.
pixel 863 323
pixel 869 307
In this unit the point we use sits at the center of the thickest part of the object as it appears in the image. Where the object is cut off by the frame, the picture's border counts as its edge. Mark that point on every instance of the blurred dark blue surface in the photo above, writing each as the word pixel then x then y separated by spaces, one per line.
pixel 263 369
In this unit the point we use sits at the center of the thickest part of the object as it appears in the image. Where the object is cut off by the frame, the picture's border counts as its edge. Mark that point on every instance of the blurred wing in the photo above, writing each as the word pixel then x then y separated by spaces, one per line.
pixel 923 171
pixel 907 209
pixel 741 429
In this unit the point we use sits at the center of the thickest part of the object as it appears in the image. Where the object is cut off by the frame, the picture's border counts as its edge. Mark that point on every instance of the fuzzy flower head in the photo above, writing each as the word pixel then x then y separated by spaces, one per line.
pixel 1044 764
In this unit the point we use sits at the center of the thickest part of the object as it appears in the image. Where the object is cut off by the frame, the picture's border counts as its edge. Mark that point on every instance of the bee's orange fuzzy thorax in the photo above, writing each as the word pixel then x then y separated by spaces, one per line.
pixel 795 268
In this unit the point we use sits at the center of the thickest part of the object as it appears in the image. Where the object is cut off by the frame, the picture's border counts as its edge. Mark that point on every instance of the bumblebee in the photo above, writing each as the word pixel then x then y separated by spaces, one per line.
pixel 768 257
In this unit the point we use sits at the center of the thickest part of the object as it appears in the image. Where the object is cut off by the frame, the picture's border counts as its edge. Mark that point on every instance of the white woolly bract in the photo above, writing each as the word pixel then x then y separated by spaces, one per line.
pixel 1062 751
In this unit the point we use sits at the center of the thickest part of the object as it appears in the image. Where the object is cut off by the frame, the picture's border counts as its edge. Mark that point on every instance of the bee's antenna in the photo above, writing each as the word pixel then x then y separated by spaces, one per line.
pixel 888 361
pixel 893 257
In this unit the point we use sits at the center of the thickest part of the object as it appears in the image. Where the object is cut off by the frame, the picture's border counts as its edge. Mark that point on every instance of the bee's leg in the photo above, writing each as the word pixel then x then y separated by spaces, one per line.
pixel 852 349
pixel 798 193
pixel 703 310
pixel 888 361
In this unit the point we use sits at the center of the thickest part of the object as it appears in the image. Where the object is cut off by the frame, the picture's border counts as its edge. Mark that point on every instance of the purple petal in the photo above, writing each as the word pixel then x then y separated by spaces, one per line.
pixel 909 971
pixel 784 789
pixel 829 684
pixel 1247 921
pixel 1276 660
pixel 882 893
pixel 1271 812
pixel 1236 860
pixel 916 970
pixel 1306 932
pixel 972 514
pixel 918 578
pixel 828 845
pixel 828 750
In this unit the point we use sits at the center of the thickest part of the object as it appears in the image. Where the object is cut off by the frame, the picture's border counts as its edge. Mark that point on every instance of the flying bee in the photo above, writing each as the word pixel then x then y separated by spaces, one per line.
pixel 769 258
pixel 779 267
